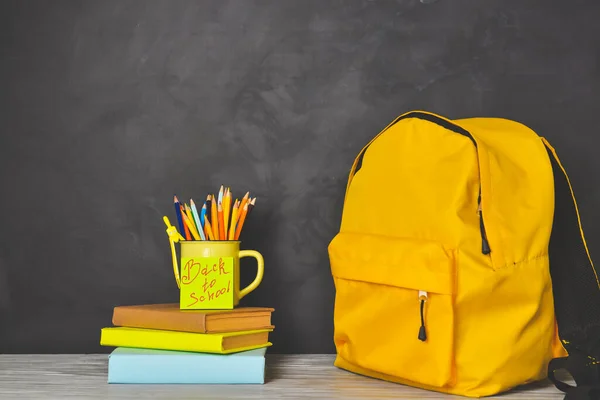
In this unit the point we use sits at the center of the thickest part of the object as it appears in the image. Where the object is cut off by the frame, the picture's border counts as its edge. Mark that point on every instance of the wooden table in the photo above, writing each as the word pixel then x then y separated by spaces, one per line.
pixel 287 377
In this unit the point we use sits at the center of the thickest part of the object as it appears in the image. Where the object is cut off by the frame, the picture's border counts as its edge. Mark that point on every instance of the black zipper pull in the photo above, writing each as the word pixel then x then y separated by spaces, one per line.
pixel 485 245
pixel 422 332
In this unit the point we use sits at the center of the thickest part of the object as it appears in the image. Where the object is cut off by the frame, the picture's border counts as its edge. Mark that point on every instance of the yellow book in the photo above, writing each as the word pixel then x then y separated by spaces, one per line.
pixel 219 343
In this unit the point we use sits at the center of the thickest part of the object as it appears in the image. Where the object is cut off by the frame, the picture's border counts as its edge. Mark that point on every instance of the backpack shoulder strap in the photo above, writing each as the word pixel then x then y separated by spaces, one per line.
pixel 576 290
pixel 587 251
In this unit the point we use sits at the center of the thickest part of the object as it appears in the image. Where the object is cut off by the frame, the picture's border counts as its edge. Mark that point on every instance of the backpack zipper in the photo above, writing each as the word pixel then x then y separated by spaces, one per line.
pixel 485 245
pixel 422 332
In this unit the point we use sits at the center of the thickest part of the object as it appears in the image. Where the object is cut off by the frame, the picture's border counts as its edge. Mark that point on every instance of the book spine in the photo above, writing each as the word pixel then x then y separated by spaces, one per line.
pixel 163 340
pixel 156 320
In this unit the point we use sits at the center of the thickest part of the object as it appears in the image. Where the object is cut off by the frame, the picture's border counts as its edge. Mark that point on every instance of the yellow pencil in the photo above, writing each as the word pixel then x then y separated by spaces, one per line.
pixel 188 211
pixel 208 230
pixel 234 216
pixel 240 223
pixel 226 210
pixel 214 217
pixel 190 226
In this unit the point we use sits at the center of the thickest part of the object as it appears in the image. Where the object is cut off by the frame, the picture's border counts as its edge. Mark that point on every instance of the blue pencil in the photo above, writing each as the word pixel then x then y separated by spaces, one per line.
pixel 178 214
pixel 202 215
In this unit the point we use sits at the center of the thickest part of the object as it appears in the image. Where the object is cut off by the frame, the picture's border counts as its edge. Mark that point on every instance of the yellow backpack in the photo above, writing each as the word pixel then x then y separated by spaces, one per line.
pixel 441 264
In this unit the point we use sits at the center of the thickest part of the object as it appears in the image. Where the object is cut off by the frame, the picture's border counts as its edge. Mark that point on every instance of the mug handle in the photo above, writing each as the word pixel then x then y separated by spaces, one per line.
pixel 259 271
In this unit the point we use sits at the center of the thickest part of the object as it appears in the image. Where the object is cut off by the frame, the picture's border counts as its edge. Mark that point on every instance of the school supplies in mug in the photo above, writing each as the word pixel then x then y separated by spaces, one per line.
pixel 210 272
pixel 218 219
pixel 210 251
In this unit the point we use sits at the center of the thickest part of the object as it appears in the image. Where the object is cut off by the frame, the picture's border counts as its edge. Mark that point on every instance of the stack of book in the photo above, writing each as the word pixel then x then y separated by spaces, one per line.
pixel 159 343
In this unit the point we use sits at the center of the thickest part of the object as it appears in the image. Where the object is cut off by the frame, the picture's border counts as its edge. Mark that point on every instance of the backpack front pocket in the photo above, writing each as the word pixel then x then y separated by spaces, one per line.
pixel 394 310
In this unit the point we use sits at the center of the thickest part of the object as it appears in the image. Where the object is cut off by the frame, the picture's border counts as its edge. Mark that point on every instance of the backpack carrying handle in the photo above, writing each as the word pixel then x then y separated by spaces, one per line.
pixel 362 151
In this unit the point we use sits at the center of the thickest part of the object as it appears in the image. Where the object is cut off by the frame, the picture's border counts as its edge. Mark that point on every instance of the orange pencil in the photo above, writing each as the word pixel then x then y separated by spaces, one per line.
pixel 208 230
pixel 234 217
pixel 214 217
pixel 244 201
pixel 185 227
pixel 240 223
pixel 221 222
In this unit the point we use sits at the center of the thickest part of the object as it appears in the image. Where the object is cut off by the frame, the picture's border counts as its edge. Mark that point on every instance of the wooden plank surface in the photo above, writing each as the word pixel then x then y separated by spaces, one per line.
pixel 287 377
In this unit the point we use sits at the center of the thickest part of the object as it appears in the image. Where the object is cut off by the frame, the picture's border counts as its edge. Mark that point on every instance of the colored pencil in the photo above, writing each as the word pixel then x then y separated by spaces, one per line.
pixel 220 196
pixel 188 212
pixel 234 217
pixel 185 228
pixel 251 206
pixel 240 223
pixel 220 218
pixel 190 226
pixel 197 219
pixel 226 210
pixel 208 230
pixel 178 215
pixel 208 207
pixel 203 214
pixel 214 218
pixel 221 222
pixel 244 201
pixel 207 214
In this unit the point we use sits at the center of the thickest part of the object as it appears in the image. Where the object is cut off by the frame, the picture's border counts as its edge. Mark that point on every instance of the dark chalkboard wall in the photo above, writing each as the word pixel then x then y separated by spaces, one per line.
pixel 108 108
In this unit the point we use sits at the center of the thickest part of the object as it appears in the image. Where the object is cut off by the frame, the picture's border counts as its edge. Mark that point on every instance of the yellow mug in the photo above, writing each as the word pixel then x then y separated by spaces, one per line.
pixel 210 272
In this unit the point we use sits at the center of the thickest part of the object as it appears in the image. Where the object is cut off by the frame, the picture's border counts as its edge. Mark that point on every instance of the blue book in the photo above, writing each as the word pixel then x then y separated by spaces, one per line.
pixel 133 365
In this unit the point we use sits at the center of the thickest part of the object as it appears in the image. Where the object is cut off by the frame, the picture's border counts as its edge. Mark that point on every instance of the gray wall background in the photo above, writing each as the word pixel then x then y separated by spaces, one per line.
pixel 108 108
